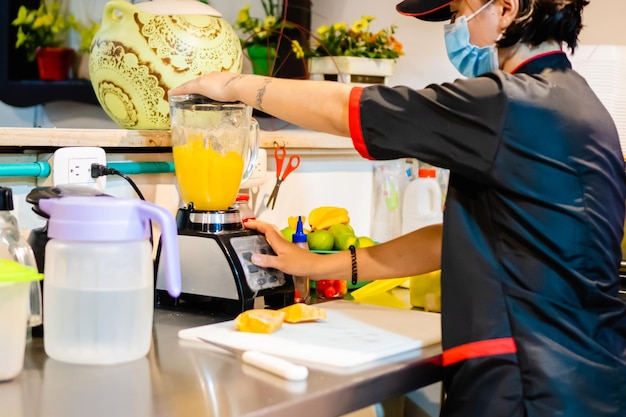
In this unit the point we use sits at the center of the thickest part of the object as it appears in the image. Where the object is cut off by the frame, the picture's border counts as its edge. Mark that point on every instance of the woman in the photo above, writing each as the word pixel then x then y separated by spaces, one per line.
pixel 530 244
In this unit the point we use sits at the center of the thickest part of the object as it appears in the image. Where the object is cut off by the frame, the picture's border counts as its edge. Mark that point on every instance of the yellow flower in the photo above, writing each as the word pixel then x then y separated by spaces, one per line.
pixel 297 49
pixel 360 26
pixel 322 30
pixel 269 22
pixel 341 26
pixel 244 14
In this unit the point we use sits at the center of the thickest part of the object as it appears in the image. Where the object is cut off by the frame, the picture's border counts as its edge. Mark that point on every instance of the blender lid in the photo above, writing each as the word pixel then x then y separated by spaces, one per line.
pixel 193 99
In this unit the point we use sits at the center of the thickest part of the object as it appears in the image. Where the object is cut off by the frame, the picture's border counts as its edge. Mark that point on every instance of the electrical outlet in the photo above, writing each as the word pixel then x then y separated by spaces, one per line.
pixel 72 165
pixel 258 176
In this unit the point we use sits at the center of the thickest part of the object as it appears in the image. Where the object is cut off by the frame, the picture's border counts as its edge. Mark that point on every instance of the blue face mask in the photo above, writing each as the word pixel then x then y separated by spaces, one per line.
pixel 469 59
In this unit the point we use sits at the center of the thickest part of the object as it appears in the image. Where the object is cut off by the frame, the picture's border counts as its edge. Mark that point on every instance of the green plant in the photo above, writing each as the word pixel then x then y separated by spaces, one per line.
pixel 266 31
pixel 357 40
pixel 86 32
pixel 44 26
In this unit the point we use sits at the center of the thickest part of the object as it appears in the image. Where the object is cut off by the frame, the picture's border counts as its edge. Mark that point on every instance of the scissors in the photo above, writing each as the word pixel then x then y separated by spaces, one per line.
pixel 294 162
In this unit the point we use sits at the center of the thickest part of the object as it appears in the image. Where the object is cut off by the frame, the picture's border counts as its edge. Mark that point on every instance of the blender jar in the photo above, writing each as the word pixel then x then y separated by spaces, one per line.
pixel 214 146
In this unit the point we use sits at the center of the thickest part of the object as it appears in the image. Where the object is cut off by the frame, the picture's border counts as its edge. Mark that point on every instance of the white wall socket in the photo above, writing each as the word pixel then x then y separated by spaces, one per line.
pixel 72 165
pixel 258 176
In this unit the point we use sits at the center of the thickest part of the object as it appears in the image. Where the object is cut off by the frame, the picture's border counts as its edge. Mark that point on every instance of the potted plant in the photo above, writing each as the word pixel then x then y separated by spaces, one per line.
pixel 354 54
pixel 42 32
pixel 263 36
pixel 86 32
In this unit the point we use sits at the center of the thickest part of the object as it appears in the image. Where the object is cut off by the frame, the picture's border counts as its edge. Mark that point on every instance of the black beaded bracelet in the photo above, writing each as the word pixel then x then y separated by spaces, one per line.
pixel 354 271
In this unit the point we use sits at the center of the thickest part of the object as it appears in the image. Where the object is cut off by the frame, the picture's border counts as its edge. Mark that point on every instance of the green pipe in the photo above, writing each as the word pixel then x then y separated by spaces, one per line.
pixel 42 169
pixel 129 167
pixel 33 169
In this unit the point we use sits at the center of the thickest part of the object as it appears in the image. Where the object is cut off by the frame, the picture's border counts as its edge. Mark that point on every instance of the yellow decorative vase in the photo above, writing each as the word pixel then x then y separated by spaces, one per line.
pixel 143 50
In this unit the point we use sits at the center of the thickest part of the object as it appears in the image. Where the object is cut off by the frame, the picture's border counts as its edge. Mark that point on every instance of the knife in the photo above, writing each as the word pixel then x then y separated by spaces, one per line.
pixel 273 364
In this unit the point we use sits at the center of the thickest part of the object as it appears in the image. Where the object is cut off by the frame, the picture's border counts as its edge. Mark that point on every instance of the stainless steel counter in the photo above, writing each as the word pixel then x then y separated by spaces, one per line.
pixel 181 378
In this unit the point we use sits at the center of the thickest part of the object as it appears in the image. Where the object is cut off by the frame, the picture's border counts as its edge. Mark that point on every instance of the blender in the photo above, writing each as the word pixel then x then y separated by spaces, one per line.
pixel 214 145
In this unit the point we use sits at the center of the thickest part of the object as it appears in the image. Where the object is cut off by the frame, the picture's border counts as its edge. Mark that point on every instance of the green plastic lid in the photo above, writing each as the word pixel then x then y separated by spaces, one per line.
pixel 11 271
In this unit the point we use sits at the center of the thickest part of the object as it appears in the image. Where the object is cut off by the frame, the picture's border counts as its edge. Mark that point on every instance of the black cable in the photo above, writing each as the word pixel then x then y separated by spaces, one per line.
pixel 99 170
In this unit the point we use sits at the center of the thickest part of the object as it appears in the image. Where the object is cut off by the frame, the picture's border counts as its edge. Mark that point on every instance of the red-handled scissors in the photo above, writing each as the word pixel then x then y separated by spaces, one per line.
pixel 294 162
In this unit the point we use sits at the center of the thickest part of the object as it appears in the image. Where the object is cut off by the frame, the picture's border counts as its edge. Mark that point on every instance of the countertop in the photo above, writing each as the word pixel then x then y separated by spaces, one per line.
pixel 177 378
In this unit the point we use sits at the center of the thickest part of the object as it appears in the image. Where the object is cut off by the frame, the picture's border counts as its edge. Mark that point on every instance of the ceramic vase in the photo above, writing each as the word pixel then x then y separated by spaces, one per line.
pixel 141 51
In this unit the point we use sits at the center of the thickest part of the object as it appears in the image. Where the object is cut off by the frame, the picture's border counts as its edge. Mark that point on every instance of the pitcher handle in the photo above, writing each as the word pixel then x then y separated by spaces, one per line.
pixel 253 150
pixel 169 239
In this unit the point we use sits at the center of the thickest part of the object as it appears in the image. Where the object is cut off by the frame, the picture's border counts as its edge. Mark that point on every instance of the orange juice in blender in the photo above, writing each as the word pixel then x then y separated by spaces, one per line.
pixel 205 177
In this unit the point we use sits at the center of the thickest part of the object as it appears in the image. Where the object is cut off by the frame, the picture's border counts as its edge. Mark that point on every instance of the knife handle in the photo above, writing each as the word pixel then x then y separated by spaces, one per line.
pixel 275 365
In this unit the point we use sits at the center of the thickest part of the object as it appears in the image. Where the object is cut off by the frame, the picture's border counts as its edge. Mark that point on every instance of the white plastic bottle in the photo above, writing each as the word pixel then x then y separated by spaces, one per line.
pixel 421 205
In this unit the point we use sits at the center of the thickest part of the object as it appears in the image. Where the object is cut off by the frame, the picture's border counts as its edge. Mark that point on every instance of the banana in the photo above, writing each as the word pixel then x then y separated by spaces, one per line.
pixel 317 213
pixel 333 217
pixel 292 221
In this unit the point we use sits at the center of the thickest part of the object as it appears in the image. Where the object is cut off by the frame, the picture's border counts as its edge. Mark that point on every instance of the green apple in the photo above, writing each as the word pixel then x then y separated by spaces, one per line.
pixel 288 232
pixel 321 240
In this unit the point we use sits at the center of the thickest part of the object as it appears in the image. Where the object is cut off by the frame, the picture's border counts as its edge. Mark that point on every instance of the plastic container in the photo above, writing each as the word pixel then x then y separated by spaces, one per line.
pixel 13 247
pixel 15 281
pixel 302 284
pixel 422 203
pixel 99 284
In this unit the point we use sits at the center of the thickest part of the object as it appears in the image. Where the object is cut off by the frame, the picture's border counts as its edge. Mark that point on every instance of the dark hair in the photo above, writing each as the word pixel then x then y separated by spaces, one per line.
pixel 546 20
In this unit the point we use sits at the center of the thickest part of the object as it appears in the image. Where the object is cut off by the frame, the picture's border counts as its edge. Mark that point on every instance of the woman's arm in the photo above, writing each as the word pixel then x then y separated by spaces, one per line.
pixel 315 105
pixel 411 254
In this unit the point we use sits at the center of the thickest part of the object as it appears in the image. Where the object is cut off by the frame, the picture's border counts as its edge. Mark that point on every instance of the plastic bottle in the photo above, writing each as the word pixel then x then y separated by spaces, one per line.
pixel 15 248
pixel 422 203
pixel 302 284
pixel 242 203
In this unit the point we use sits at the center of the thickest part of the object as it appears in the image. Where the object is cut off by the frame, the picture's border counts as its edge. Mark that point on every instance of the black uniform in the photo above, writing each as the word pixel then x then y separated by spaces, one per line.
pixel 532 325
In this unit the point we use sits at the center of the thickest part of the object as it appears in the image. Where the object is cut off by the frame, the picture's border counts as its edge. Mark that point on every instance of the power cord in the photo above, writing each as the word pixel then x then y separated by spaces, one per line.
pixel 99 170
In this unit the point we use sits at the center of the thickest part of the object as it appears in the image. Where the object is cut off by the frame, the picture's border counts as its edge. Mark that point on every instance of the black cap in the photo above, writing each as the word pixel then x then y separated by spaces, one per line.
pixel 6 198
pixel 429 10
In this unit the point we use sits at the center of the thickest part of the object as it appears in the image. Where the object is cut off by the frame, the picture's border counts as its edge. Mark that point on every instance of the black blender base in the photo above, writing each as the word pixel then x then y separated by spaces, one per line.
pixel 204 304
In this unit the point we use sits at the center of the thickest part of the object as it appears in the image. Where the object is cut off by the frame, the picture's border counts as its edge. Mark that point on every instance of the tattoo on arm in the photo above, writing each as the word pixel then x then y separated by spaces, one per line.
pixel 238 77
pixel 260 93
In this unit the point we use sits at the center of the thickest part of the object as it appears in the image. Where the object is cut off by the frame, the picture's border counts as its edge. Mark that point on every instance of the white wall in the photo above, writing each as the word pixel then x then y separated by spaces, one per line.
pixel 425 61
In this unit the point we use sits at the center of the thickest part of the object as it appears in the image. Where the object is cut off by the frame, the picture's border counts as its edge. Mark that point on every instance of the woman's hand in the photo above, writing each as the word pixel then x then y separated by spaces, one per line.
pixel 290 259
pixel 215 85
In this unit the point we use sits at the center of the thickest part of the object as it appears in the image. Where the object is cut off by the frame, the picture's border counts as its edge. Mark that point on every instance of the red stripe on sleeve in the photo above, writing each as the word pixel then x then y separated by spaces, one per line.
pixel 354 120
pixel 479 349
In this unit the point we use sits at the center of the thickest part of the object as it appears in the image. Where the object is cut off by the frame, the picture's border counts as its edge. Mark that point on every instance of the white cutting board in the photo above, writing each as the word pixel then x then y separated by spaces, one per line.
pixel 353 335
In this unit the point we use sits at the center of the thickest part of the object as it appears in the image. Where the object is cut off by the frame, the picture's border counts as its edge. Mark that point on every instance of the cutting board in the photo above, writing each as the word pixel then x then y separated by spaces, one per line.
pixel 352 336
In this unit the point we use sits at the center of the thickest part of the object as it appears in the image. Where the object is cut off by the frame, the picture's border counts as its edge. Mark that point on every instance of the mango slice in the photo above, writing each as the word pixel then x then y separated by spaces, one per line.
pixel 298 313
pixel 259 320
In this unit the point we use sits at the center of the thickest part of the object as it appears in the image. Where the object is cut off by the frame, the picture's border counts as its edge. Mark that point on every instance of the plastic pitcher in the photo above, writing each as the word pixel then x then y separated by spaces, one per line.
pixel 99 277
pixel 214 146
pixel 15 281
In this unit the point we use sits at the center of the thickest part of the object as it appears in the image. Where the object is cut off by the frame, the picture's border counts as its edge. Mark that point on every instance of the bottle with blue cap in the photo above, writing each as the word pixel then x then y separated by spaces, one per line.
pixel 301 284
